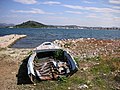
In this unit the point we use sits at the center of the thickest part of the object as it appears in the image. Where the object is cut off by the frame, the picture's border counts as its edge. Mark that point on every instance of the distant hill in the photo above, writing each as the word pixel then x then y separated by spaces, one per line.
pixel 34 24
pixel 30 24
pixel 4 25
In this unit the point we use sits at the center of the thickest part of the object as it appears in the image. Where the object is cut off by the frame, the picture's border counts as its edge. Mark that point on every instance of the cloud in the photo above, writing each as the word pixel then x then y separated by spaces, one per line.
pixel 114 1
pixel 26 1
pixel 110 19
pixel 51 3
pixel 92 16
pixel 117 19
pixel 89 2
pixel 33 11
pixel 116 7
pixel 74 12
pixel 103 17
pixel 73 6
pixel 104 10
pixel 95 9
pixel 60 20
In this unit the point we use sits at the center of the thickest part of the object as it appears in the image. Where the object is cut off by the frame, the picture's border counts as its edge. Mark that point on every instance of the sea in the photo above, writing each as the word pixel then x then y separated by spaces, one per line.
pixel 36 36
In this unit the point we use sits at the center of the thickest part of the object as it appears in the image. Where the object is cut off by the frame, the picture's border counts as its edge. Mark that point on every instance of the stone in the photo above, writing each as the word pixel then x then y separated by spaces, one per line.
pixel 83 86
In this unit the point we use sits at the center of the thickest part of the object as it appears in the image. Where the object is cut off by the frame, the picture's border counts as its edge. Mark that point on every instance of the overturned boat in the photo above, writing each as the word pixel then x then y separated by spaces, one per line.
pixel 49 62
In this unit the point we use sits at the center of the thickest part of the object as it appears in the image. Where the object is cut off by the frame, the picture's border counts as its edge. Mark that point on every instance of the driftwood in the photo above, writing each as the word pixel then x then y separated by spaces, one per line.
pixel 45 67
pixel 47 70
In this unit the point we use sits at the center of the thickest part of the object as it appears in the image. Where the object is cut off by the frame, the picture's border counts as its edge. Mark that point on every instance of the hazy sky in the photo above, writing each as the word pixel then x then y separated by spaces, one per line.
pixel 62 12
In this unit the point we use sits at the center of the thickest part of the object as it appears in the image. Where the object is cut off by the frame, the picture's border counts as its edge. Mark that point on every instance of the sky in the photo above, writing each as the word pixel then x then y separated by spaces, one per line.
pixel 105 13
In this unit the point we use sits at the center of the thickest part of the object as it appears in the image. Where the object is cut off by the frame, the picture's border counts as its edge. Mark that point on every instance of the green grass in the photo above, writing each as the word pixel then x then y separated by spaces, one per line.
pixel 102 76
pixel 100 83
pixel 114 63
pixel 70 82
pixel 101 69
pixel 77 59
pixel 63 84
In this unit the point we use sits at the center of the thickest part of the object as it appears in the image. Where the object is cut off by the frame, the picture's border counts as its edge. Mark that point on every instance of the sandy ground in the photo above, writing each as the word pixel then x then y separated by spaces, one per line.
pixel 12 58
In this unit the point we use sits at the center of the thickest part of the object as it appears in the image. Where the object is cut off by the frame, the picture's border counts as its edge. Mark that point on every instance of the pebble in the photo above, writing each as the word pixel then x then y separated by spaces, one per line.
pixel 84 68
pixel 83 86
pixel 69 88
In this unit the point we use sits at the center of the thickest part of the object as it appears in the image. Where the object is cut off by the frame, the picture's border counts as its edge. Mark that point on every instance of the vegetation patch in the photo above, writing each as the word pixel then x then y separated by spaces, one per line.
pixel 58 54
pixel 101 69
pixel 114 64
pixel 77 59
pixel 100 82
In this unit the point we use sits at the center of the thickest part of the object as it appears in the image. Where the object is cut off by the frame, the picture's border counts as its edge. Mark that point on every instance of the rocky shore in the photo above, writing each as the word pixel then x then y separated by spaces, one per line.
pixel 6 41
pixel 90 47
pixel 98 60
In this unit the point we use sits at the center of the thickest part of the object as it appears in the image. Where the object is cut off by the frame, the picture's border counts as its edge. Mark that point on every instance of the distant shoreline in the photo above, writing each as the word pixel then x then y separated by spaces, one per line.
pixel 34 24
pixel 65 28
pixel 77 27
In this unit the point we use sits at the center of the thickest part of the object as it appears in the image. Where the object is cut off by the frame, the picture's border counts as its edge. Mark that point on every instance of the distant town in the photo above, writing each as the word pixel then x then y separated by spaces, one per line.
pixel 34 24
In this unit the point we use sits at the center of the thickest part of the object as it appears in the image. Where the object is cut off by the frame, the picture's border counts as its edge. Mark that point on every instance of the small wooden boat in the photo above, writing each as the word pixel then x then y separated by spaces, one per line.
pixel 48 61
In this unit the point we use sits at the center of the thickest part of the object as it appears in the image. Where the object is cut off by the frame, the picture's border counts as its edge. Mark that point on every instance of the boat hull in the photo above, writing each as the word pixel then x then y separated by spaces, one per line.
pixel 50 63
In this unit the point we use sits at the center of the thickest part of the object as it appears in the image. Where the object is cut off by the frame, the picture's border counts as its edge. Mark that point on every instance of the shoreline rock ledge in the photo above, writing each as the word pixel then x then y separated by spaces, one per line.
pixel 8 40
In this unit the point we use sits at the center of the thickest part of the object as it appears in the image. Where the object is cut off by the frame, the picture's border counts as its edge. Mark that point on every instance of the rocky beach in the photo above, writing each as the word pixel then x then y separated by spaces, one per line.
pixel 8 40
pixel 90 47
pixel 98 60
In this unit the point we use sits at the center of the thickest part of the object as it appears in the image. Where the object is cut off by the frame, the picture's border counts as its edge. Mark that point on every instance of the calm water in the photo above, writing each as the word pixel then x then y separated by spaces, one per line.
pixel 38 36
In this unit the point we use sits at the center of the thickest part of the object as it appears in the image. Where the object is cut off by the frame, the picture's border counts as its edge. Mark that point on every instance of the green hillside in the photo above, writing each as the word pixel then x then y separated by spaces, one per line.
pixel 30 24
